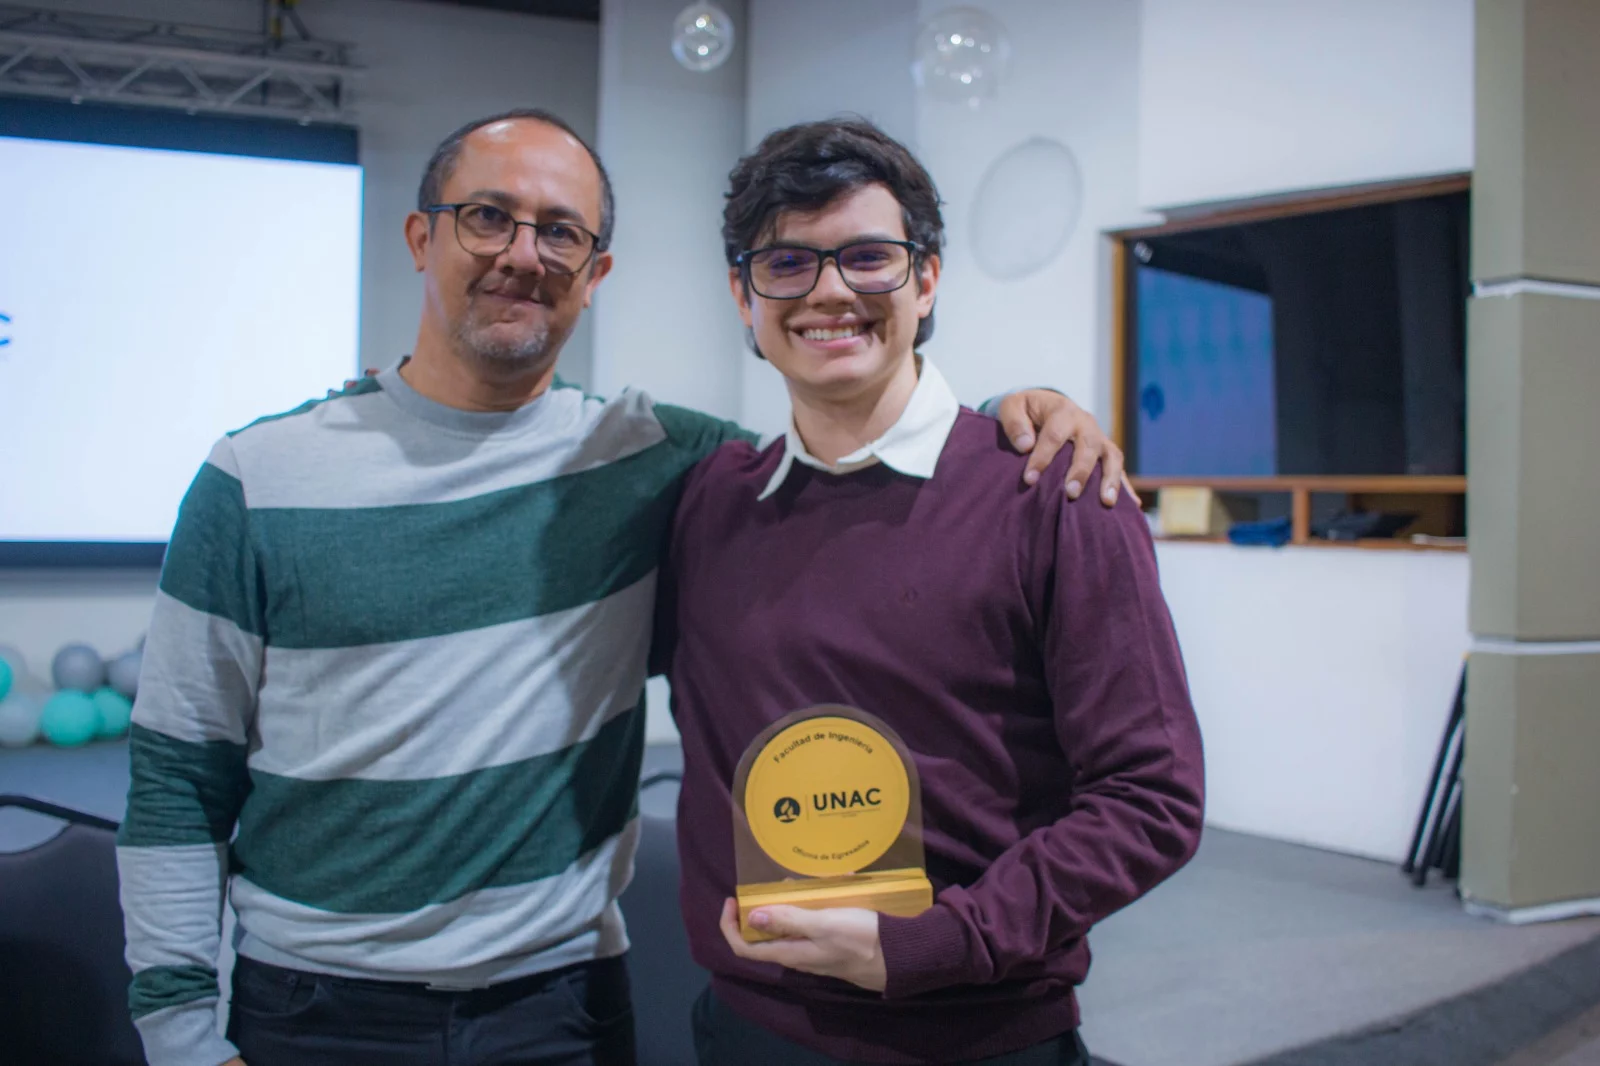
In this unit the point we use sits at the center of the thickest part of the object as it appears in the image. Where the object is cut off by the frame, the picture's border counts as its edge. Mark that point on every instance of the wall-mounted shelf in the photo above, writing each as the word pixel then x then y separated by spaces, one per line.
pixel 1389 545
pixel 1301 489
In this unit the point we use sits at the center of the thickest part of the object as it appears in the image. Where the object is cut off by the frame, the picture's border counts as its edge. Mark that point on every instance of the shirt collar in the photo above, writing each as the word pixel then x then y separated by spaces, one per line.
pixel 911 446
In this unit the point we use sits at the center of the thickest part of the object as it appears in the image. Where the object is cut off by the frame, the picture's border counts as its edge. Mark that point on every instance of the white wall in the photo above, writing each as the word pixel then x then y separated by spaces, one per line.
pixel 663 320
pixel 1323 679
pixel 428 68
pixel 1073 78
pixel 1244 98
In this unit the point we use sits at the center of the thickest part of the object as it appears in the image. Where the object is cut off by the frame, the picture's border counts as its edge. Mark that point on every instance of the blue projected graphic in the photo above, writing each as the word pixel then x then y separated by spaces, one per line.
pixel 5 320
pixel 1207 388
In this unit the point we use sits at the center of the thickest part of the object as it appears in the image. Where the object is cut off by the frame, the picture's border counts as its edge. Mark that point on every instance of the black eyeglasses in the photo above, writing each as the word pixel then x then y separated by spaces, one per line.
pixel 790 271
pixel 487 230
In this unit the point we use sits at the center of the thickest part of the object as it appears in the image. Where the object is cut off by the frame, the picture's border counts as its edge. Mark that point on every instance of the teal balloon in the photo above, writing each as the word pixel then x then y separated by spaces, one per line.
pixel 115 712
pixel 6 677
pixel 70 719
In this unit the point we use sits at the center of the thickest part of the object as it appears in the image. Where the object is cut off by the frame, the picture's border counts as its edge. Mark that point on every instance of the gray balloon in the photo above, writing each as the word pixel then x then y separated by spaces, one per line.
pixel 78 667
pixel 123 673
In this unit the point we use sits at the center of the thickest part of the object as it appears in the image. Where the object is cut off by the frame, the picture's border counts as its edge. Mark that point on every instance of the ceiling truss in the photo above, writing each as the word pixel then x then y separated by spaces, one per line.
pixel 112 59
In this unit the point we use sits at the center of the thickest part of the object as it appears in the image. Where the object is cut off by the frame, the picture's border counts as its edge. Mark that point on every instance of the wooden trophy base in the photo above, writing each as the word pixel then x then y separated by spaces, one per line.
pixel 902 893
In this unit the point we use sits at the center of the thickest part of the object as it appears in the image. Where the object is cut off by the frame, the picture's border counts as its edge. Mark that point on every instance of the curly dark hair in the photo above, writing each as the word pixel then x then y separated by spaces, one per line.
pixel 808 166
pixel 443 163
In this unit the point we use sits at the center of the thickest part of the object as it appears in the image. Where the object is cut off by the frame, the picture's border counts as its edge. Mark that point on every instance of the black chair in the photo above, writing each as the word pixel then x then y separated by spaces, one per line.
pixel 666 980
pixel 63 979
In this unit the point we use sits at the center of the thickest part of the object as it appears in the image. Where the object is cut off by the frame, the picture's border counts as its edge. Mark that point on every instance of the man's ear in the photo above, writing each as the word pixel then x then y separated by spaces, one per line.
pixel 419 233
pixel 741 294
pixel 927 285
pixel 598 269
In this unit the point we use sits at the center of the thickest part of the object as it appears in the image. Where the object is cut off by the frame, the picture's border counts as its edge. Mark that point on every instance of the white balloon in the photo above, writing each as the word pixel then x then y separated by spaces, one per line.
pixel 1026 209
pixel 19 719
pixel 702 37
pixel 960 55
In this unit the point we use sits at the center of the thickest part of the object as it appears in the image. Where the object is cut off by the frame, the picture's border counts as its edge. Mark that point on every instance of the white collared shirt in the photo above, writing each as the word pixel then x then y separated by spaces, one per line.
pixel 911 446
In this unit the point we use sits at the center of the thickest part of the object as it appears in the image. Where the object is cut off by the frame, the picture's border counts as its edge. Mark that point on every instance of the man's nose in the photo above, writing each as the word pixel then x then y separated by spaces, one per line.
pixel 830 286
pixel 523 252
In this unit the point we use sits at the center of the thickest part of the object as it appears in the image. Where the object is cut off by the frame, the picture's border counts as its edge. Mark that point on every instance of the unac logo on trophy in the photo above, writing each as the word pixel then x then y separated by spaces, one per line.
pixel 837 792
pixel 828 816
pixel 847 801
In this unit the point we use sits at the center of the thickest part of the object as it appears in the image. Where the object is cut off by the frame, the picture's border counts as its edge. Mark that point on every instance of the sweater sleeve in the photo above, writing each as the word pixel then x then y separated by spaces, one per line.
pixel 187 748
pixel 1124 719
pixel 697 435
pixel 694 436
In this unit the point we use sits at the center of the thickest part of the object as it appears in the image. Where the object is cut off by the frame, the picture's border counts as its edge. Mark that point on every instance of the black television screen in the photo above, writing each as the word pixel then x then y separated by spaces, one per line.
pixel 1329 343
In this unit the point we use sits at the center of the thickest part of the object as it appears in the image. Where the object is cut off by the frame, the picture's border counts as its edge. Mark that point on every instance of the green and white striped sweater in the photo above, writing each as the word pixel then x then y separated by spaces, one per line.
pixel 392 699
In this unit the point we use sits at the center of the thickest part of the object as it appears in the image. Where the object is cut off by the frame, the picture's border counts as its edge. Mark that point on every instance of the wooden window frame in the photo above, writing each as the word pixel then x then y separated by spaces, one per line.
pixel 1300 488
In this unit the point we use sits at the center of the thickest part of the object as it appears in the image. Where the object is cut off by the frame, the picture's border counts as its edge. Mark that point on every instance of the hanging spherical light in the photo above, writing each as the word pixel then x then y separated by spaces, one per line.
pixel 960 55
pixel 702 37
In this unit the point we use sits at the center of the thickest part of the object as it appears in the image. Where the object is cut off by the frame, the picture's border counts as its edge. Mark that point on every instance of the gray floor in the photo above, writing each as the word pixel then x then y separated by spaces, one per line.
pixel 1575 1044
pixel 1259 947
pixel 1256 948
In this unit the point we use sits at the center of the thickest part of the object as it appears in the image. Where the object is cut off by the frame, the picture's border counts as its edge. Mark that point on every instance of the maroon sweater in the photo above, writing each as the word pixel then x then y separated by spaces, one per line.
pixel 1018 643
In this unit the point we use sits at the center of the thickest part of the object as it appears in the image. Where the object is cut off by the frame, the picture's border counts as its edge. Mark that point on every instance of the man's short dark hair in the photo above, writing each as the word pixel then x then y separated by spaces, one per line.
pixel 807 167
pixel 443 163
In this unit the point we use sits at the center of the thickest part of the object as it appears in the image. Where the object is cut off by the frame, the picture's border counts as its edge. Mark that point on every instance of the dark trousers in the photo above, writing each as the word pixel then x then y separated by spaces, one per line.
pixel 578 1016
pixel 723 1038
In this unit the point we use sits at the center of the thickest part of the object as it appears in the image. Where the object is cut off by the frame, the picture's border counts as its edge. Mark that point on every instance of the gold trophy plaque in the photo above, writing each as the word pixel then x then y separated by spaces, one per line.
pixel 828 813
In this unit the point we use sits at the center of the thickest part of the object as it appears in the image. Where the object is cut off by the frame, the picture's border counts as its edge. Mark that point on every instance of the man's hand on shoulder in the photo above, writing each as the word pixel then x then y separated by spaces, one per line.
pixel 1040 422
pixel 350 383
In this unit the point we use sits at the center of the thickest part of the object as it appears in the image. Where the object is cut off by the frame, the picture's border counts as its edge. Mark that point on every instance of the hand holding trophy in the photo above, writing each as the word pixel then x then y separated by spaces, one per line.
pixel 828 813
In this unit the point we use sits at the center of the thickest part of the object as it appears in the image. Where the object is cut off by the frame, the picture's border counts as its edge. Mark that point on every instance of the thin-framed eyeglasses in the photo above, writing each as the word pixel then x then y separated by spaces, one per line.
pixel 790 271
pixel 487 230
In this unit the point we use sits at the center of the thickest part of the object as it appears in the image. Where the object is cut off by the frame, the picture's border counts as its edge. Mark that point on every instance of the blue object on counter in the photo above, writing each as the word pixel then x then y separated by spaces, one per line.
pixel 1273 533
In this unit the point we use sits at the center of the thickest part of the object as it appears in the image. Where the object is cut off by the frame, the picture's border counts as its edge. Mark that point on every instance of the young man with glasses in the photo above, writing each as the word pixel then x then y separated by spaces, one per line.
pixel 392 701
pixel 873 558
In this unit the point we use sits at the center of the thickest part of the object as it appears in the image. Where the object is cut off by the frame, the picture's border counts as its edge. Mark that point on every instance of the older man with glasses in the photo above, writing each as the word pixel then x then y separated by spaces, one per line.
pixel 392 701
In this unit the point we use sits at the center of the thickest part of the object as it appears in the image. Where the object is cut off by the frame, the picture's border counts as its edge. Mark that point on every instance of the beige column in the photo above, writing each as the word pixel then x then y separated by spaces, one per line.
pixel 1531 844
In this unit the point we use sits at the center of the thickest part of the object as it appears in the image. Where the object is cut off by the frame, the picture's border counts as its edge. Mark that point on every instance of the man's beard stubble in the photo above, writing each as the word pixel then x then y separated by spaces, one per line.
pixel 526 352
